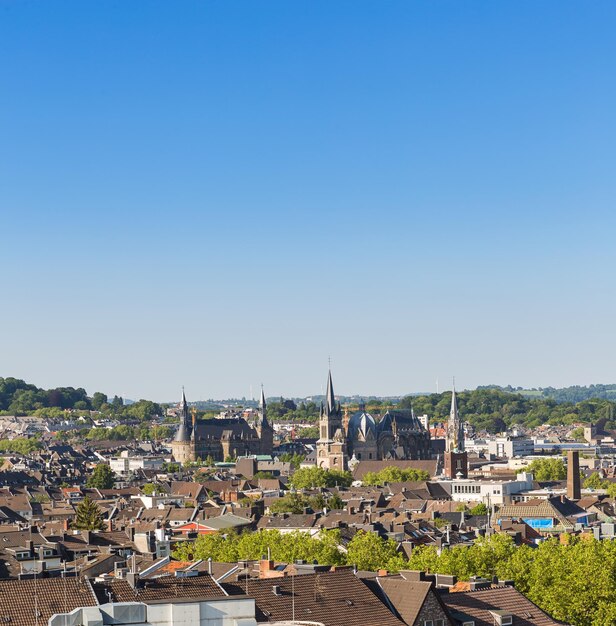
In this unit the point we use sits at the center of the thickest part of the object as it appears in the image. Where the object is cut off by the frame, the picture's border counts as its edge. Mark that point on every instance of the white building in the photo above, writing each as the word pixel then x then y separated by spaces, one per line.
pixel 487 491
pixel 125 463
pixel 229 611
pixel 509 447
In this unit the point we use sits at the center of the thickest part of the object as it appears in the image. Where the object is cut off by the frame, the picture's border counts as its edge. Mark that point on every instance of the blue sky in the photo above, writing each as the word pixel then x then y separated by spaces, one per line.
pixel 219 194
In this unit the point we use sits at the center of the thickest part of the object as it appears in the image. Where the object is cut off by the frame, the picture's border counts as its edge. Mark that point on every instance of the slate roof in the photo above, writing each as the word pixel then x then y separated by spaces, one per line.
pixel 20 599
pixel 478 604
pixel 336 598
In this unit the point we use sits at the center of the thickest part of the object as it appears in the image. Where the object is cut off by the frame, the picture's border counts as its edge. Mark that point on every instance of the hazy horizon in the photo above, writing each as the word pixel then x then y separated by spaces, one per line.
pixel 220 195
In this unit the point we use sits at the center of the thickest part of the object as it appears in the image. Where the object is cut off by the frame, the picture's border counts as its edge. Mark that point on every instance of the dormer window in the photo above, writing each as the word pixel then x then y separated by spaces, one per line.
pixel 502 618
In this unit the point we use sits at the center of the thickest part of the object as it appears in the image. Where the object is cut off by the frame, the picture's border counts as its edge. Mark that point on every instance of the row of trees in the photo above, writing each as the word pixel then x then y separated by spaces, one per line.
pixel 394 475
pixel 366 550
pixel 20 398
pixel 574 582
pixel 20 445
pixel 288 411
pixel 575 393
pixel 123 432
pixel 495 410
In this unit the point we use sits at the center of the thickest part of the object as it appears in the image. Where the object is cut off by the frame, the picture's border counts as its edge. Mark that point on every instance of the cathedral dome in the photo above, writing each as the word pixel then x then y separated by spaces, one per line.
pixel 362 425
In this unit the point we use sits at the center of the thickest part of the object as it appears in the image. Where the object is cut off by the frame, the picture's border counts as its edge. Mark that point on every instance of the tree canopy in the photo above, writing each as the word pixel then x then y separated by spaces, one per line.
pixel 102 477
pixel 547 469
pixel 394 474
pixel 89 516
pixel 309 477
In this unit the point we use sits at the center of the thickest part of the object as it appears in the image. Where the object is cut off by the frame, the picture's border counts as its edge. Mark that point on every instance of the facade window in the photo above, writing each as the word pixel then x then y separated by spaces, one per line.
pixel 428 622
pixel 439 622
pixel 370 455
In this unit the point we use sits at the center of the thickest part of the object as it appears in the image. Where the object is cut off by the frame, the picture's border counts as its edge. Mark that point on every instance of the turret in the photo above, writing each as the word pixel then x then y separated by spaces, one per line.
pixel 184 431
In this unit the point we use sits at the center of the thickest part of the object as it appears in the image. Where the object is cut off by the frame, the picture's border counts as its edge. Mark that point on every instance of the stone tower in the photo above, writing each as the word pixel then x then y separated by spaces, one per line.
pixel 331 446
pixel 264 430
pixel 456 459
pixel 182 446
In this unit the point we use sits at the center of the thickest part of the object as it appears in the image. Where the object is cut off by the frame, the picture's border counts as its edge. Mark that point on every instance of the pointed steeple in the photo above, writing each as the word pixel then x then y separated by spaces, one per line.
pixel 183 432
pixel 330 398
pixel 262 417
pixel 262 403
pixel 453 412
pixel 455 427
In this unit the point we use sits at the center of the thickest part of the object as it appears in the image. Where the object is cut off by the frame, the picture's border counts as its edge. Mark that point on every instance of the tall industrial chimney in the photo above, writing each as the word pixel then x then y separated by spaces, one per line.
pixel 574 491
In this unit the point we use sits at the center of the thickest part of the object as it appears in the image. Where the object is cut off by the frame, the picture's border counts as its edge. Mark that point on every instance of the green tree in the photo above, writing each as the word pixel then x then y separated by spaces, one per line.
pixel 309 477
pixel 20 445
pixel 98 399
pixel 368 551
pixel 392 474
pixel 547 469
pixel 89 516
pixel 479 509
pixel 102 477
pixel 594 481
pixel 150 489
pixel 290 503
pixel 335 502
pixel 287 547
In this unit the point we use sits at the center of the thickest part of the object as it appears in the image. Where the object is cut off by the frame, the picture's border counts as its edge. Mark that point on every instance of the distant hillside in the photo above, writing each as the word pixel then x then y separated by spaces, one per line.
pixel 494 410
pixel 566 394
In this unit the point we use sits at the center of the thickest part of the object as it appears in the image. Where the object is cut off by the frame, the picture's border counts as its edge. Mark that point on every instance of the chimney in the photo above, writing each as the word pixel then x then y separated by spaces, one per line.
pixel 65 525
pixel 265 567
pixel 574 491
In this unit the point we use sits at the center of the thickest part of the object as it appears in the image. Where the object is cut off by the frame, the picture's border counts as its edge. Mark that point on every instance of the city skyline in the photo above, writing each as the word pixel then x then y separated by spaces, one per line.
pixel 222 195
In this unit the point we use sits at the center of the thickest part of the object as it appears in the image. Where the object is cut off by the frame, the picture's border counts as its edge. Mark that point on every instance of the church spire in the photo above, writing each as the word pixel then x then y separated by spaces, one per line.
pixel 262 417
pixel 262 403
pixel 455 427
pixel 183 432
pixel 330 398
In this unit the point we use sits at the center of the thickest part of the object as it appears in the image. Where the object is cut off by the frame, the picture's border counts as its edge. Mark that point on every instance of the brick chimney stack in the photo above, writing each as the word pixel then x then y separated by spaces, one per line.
pixel 574 491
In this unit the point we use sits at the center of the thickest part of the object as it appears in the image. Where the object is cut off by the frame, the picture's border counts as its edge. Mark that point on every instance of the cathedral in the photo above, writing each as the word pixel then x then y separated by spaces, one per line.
pixel 221 438
pixel 345 438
